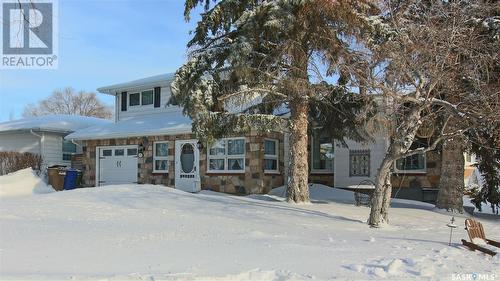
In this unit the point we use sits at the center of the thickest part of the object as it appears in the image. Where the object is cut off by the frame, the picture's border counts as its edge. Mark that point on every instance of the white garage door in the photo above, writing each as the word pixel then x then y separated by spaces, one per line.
pixel 117 164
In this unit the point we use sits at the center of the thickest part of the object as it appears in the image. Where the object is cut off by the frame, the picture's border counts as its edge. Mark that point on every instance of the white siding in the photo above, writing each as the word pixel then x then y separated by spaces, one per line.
pixel 341 165
pixel 145 110
pixel 21 142
pixel 52 149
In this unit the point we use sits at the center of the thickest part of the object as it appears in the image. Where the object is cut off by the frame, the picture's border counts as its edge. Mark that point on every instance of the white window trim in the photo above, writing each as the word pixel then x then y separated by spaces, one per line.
pixel 420 171
pixel 320 171
pixel 225 157
pixel 140 106
pixel 160 158
pixel 272 157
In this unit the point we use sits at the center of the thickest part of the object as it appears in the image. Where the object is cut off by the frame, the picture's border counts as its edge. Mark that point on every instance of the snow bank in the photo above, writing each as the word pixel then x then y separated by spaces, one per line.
pixel 324 193
pixel 22 182
pixel 320 192
pixel 485 207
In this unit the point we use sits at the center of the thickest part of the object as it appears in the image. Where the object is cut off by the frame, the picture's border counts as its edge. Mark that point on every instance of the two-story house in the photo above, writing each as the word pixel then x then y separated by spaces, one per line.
pixel 151 142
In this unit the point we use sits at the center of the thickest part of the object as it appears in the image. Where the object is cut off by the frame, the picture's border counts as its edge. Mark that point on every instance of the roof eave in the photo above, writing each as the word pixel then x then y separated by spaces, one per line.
pixel 128 135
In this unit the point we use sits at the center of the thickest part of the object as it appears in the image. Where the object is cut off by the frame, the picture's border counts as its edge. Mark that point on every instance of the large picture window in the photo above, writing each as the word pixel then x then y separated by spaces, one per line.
pixel 322 153
pixel 160 157
pixel 414 163
pixel 271 148
pixel 227 155
pixel 141 98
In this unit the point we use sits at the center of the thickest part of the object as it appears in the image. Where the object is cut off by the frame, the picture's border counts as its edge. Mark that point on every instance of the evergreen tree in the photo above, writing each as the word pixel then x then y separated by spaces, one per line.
pixel 275 52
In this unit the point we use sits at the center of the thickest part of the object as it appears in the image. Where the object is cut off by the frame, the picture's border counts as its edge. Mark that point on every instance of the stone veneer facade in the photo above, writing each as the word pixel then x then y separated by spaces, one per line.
pixel 252 180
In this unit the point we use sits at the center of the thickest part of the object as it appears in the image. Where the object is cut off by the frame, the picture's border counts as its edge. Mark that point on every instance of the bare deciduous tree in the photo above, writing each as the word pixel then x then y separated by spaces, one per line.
pixel 423 50
pixel 68 101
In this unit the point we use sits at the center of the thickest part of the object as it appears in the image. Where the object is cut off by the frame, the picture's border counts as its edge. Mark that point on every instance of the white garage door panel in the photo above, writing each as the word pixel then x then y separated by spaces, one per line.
pixel 117 164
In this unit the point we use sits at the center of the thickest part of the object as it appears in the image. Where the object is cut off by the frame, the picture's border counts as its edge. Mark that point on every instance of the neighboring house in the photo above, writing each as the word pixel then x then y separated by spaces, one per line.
pixel 44 135
pixel 152 142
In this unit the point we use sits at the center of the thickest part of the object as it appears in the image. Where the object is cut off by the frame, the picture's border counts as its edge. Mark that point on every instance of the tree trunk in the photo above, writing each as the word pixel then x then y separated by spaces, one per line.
pixel 297 188
pixel 451 183
pixel 382 194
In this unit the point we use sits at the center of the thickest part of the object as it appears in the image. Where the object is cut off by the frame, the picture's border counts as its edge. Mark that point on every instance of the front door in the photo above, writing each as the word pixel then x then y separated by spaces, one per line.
pixel 187 165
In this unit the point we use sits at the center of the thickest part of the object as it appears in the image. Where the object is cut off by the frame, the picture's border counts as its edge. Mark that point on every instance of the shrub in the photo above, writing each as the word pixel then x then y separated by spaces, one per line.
pixel 11 161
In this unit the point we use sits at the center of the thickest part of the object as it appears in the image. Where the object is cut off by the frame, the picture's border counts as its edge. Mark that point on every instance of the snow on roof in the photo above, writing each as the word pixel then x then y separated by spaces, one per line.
pixel 153 81
pixel 52 123
pixel 158 124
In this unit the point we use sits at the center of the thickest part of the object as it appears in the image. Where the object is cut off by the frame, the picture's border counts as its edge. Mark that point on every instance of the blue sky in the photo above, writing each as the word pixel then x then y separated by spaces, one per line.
pixel 103 42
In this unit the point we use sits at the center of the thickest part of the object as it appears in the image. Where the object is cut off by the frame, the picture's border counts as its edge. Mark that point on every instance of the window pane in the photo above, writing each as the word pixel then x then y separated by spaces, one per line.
pixel 323 153
pixel 359 163
pixel 413 162
pixel 271 165
pixel 147 97
pixel 106 152
pixel 134 99
pixel 216 164
pixel 119 152
pixel 218 148
pixel 161 165
pixel 68 146
pixel 269 147
pixel 161 149
pixel 235 164
pixel 67 157
pixel 132 151
pixel 235 147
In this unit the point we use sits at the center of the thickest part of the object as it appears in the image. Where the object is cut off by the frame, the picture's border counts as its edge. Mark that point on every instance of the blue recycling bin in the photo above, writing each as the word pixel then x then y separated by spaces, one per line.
pixel 70 179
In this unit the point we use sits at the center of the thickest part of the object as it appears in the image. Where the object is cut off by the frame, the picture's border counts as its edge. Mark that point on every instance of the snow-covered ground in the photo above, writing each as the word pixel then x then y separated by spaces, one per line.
pixel 146 232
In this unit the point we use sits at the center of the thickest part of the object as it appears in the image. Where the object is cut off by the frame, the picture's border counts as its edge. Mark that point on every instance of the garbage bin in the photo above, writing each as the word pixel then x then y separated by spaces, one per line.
pixel 56 177
pixel 70 179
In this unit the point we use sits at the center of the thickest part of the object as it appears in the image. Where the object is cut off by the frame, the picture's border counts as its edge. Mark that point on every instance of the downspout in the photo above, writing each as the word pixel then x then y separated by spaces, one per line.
pixel 40 141
pixel 40 137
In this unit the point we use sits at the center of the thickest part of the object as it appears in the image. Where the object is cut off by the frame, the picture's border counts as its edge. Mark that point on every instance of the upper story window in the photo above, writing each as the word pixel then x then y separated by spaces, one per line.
pixel 322 153
pixel 271 148
pixel 227 155
pixel 68 149
pixel 141 98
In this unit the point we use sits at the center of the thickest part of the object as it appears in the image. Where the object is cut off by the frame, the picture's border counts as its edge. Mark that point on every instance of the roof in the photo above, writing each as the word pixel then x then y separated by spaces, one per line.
pixel 151 125
pixel 152 81
pixel 59 123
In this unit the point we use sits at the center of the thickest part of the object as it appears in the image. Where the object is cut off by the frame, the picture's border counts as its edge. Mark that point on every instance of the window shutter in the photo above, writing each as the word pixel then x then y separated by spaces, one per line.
pixel 124 101
pixel 157 96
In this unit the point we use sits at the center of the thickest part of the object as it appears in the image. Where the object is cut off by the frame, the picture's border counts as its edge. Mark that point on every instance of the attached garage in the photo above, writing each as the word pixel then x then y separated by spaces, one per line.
pixel 117 164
